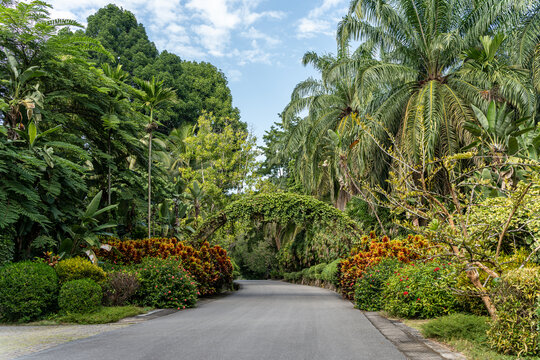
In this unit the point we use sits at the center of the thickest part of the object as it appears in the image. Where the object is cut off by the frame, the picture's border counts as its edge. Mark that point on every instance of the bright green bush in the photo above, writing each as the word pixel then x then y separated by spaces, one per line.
pixel 78 268
pixel 28 290
pixel 457 326
pixel 330 273
pixel 80 296
pixel 515 329
pixel 165 284
pixel 314 272
pixel 421 291
pixel 370 285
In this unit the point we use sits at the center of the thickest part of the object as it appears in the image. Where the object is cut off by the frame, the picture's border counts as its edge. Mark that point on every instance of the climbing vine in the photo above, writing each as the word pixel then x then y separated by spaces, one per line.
pixel 324 231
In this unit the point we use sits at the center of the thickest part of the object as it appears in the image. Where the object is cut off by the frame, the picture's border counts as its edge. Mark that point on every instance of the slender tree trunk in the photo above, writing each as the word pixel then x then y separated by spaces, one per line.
pixel 149 184
pixel 109 171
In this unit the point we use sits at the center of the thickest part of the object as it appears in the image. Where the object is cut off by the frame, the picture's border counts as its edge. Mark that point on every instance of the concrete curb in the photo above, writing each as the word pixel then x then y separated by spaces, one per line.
pixel 409 341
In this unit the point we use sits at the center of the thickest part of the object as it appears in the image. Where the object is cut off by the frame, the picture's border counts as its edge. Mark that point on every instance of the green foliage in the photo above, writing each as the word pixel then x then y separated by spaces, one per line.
pixel 79 268
pixel 329 232
pixel 165 284
pixel 457 326
pixel 103 315
pixel 515 330
pixel 80 296
pixel 199 86
pixel 422 290
pixel 28 290
pixel 7 248
pixel 330 273
pixel 369 287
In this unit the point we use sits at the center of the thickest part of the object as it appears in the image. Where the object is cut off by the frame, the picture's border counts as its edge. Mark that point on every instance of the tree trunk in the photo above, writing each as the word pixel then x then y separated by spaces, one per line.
pixel 149 183
pixel 109 171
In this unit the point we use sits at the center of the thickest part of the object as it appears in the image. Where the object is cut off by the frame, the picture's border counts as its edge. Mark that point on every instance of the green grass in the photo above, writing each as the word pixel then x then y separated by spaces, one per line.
pixel 102 316
pixel 464 334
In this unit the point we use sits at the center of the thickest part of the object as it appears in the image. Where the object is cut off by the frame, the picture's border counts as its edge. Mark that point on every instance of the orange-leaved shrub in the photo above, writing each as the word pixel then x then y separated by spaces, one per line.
pixel 209 265
pixel 412 248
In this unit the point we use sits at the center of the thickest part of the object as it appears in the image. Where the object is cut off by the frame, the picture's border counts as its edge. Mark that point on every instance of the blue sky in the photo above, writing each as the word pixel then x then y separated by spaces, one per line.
pixel 258 44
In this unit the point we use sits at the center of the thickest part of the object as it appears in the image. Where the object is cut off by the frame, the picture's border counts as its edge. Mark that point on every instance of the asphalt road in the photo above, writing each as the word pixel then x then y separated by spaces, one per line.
pixel 263 320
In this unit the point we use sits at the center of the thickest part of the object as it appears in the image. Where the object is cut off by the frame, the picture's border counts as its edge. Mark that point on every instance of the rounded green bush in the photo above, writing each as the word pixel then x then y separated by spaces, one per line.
pixel 421 291
pixel 80 296
pixel 79 268
pixel 28 290
pixel 369 287
pixel 165 284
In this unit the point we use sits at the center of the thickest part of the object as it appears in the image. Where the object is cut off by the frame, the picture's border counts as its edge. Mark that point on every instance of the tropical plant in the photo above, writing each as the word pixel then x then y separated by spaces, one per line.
pixel 85 235
pixel 152 94
pixel 426 102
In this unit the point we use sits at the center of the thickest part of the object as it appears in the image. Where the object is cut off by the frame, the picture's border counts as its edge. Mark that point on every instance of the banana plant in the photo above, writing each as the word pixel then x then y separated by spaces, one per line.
pixel 84 236
pixel 21 94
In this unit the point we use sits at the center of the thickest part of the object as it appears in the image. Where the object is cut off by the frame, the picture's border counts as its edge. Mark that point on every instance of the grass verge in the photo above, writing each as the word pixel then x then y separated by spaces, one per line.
pixel 462 333
pixel 102 316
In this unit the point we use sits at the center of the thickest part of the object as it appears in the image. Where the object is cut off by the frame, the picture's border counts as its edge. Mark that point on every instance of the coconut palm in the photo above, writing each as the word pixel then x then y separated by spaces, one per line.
pixel 152 94
pixel 420 47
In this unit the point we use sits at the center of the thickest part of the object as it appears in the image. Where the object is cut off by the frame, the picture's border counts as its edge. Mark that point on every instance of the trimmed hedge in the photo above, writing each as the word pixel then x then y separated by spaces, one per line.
pixel 210 265
pixel 80 296
pixel 28 290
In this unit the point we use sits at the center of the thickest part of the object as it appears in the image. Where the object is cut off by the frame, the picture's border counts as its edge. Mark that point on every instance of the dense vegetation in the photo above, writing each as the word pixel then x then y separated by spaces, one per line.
pixel 422 128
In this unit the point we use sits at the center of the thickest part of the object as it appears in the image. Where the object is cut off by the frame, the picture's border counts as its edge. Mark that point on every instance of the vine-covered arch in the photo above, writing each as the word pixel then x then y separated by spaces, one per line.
pixel 286 208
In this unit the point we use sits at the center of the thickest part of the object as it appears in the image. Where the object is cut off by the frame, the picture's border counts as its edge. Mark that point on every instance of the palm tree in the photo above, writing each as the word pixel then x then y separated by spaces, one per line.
pixel 424 98
pixel 110 120
pixel 152 94
pixel 332 107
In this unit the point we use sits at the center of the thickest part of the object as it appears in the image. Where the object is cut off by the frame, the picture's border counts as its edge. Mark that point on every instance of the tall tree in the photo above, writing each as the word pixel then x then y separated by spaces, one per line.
pixel 420 45
pixel 152 94
pixel 199 86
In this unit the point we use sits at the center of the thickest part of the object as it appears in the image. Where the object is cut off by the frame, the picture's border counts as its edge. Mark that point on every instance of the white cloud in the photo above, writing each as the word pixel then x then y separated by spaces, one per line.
pixel 234 75
pixel 221 17
pixel 255 34
pixel 322 19
pixel 193 29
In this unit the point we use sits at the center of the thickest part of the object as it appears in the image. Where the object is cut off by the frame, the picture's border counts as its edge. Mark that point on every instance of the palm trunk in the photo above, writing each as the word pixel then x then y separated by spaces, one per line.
pixel 109 171
pixel 149 183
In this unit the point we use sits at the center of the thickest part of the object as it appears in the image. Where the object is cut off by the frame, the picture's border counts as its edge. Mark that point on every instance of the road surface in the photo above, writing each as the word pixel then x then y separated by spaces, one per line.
pixel 263 320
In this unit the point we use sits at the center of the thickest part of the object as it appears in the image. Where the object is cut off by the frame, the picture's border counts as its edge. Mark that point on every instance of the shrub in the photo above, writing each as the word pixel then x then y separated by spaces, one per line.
pixel 515 329
pixel 78 268
pixel 421 291
pixel 369 287
pixel 293 276
pixel 406 250
pixel 28 290
pixel 210 265
pixel 7 248
pixel 317 270
pixel 166 284
pixel 80 296
pixel 457 326
pixel 120 287
pixel 330 273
